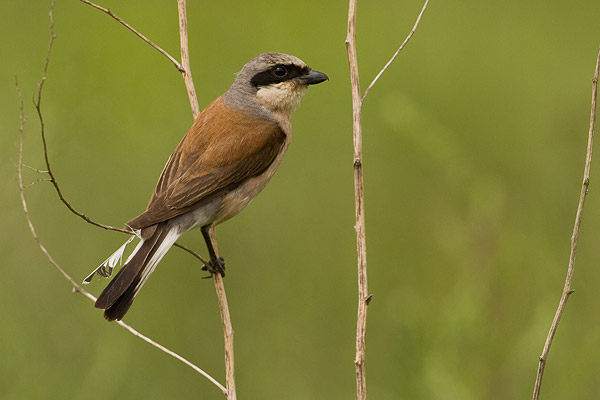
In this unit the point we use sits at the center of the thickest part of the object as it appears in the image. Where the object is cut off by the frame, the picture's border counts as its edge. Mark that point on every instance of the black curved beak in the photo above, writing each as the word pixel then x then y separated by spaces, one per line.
pixel 314 77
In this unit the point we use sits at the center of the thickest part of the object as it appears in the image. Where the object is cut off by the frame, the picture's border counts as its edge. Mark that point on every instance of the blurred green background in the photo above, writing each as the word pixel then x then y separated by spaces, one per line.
pixel 474 143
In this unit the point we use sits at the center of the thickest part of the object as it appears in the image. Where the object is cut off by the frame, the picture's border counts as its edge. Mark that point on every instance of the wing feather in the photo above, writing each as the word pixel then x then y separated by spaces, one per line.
pixel 221 150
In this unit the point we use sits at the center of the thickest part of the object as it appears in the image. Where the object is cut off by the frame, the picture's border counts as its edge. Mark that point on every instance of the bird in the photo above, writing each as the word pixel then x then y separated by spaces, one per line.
pixel 226 158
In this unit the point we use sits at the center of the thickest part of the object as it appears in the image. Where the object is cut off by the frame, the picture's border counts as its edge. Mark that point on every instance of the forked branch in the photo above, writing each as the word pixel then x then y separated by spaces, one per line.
pixel 76 287
pixel 52 177
pixel 391 60
pixel 185 70
pixel 359 197
pixel 176 63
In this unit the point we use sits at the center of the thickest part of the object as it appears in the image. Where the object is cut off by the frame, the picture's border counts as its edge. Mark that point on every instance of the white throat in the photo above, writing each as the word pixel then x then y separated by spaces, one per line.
pixel 282 97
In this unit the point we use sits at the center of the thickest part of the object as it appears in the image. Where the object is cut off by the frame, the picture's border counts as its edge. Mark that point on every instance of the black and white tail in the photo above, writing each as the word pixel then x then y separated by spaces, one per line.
pixel 118 296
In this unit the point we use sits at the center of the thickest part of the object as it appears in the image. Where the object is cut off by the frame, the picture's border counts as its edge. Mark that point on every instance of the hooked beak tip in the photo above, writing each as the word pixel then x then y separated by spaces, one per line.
pixel 314 77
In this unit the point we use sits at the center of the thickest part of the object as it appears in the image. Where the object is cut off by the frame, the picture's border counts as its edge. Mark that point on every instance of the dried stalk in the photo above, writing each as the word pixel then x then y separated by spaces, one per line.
pixel 37 104
pixel 176 63
pixel 76 287
pixel 185 70
pixel 185 58
pixel 359 207
pixel 189 83
pixel 391 60
pixel 49 171
pixel 217 278
pixel 172 354
pixel 226 323
pixel 228 337
pixel 359 201
pixel 567 291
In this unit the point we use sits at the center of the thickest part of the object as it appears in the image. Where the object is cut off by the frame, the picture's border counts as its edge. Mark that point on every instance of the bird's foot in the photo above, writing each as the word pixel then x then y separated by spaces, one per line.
pixel 215 266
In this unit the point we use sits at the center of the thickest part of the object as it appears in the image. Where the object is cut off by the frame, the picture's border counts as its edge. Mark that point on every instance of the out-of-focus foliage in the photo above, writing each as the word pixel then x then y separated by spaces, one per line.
pixel 474 143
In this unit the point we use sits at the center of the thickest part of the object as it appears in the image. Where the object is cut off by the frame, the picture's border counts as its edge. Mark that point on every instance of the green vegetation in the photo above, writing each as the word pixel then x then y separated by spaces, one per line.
pixel 474 143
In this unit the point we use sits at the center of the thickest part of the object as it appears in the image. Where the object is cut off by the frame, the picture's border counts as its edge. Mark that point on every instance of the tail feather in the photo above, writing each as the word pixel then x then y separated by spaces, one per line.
pixel 118 296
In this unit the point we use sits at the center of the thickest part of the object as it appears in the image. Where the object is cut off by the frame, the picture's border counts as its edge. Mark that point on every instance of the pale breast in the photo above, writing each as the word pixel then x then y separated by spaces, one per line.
pixel 236 200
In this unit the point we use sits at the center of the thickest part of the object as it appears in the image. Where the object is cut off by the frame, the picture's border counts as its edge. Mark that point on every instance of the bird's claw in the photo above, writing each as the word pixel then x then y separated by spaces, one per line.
pixel 215 266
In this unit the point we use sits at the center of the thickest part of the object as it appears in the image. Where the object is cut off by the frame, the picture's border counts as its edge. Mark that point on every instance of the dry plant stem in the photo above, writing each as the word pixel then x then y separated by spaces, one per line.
pixel 49 171
pixel 391 60
pixel 227 335
pixel 38 107
pixel 185 70
pixel 185 58
pixel 184 66
pixel 361 246
pixel 217 278
pixel 172 354
pixel 76 287
pixel 574 237
pixel 227 326
pixel 74 284
pixel 176 63
pixel 52 179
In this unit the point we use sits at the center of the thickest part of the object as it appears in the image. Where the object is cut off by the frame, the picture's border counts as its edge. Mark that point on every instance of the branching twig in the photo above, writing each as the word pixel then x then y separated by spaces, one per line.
pixel 359 197
pixel 217 278
pixel 74 284
pixel 184 65
pixel 185 69
pixel 176 63
pixel 172 354
pixel 37 104
pixel 412 32
pixel 76 287
pixel 359 207
pixel 567 291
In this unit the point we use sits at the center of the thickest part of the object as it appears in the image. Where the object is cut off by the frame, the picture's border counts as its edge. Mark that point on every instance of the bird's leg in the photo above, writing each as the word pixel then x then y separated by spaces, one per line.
pixel 216 265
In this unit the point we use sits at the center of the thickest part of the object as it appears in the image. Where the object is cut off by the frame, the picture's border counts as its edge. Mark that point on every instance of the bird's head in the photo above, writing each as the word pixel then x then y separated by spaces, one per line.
pixel 275 82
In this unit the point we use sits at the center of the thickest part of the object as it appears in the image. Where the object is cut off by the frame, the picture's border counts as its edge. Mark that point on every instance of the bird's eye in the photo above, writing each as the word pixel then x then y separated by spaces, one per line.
pixel 280 71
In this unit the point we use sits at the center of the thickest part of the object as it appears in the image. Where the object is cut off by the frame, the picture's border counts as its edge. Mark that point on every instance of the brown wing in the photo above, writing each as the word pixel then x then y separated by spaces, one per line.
pixel 221 150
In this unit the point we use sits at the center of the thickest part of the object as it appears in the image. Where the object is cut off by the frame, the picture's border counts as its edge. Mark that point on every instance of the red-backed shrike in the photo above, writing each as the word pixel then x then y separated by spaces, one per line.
pixel 225 159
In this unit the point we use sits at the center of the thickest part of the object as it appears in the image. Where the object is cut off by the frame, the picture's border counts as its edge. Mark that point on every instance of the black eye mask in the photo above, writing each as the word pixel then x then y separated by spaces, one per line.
pixel 277 74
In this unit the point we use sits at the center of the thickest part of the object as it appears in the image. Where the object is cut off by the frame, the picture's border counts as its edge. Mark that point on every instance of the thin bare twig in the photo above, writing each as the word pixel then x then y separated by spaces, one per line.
pixel 37 103
pixel 567 291
pixel 74 284
pixel 192 252
pixel 185 70
pixel 39 171
pixel 359 207
pixel 359 196
pixel 217 278
pixel 185 58
pixel 38 107
pixel 412 32
pixel 184 65
pixel 226 323
pixel 227 335
pixel 176 63
pixel 76 287
pixel 37 181
pixel 172 354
